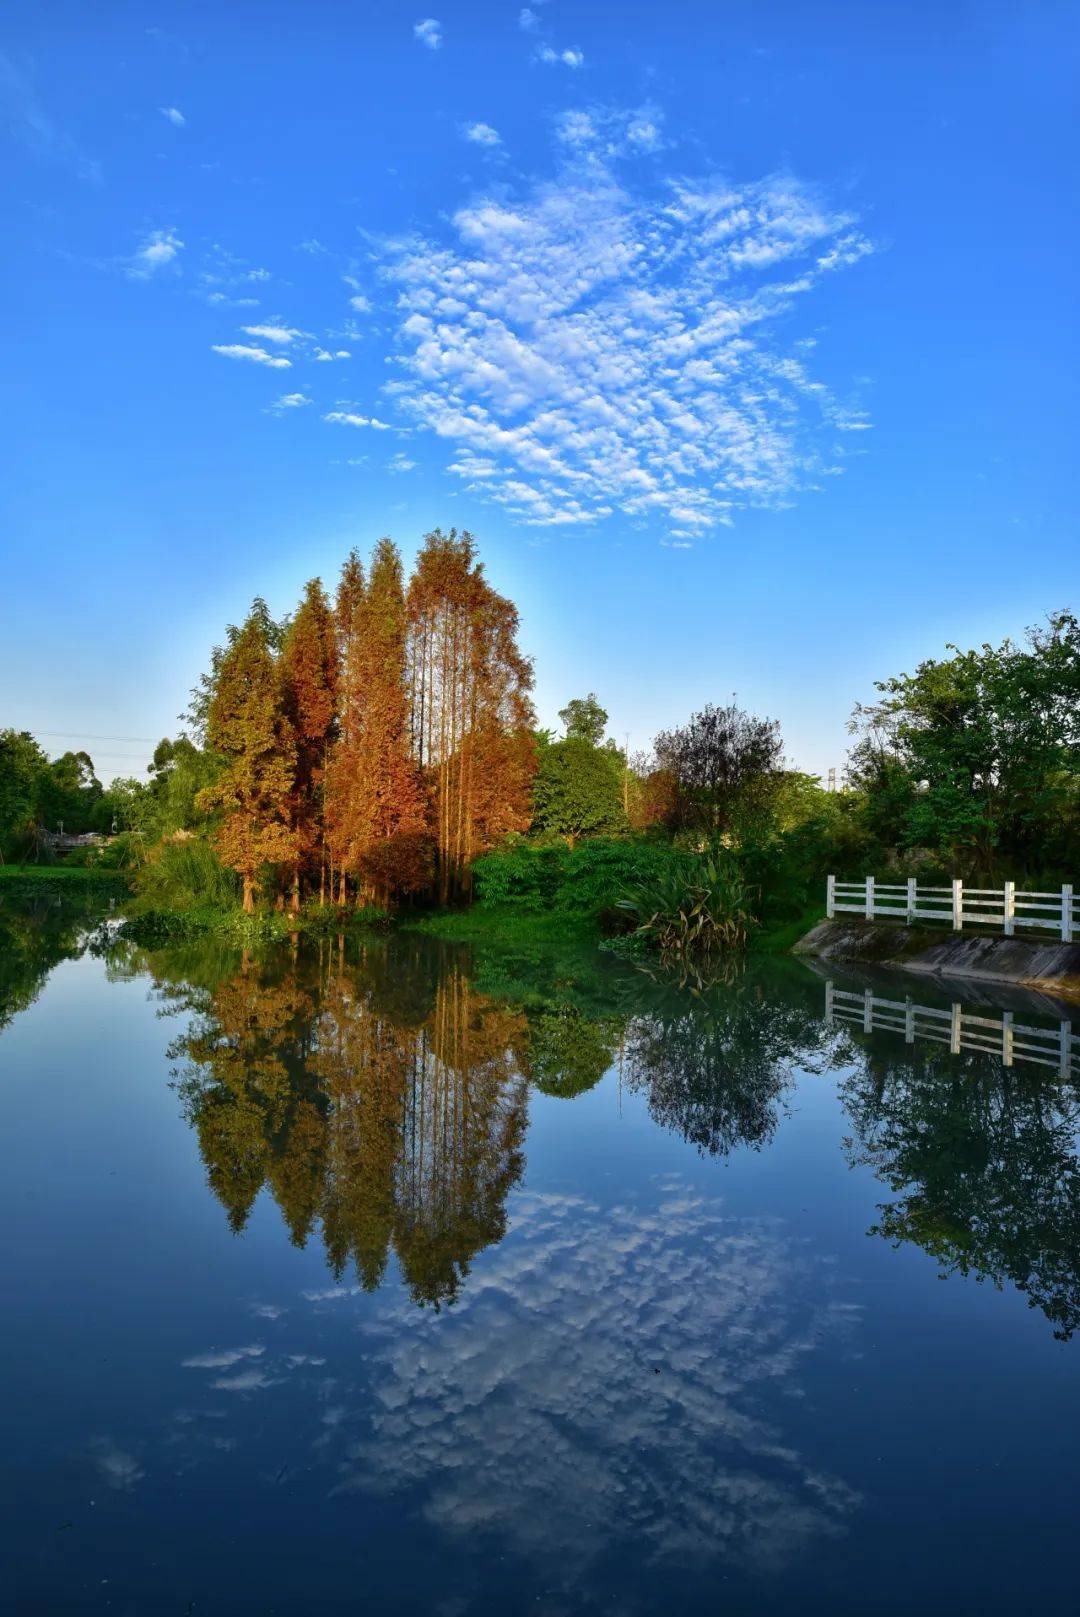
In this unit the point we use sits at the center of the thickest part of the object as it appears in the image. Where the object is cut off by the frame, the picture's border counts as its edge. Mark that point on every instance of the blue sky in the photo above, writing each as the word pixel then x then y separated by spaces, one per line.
pixel 742 335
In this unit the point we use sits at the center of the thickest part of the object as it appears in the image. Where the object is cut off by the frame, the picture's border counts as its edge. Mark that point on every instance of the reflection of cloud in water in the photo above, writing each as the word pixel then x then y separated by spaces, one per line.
pixel 598 1384
pixel 223 1358
pixel 119 1469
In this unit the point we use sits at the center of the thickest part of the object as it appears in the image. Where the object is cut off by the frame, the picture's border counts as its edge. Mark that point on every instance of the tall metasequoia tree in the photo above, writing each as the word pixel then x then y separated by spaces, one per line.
pixel 246 725
pixel 379 811
pixel 309 672
pixel 342 774
pixel 388 842
pixel 470 712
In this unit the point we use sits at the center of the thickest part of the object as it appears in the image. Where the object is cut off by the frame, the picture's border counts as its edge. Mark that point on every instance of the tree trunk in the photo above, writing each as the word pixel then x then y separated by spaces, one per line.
pixel 294 901
pixel 249 893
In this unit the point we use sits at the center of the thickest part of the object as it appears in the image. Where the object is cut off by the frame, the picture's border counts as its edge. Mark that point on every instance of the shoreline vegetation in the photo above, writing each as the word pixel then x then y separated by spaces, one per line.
pixel 374 760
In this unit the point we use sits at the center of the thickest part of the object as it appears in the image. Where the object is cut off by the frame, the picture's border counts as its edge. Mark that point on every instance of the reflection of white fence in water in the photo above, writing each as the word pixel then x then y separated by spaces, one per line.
pixel 1002 909
pixel 960 1029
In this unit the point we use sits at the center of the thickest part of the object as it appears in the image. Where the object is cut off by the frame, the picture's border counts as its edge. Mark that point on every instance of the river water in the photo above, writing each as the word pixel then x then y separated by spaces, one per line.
pixel 394 1277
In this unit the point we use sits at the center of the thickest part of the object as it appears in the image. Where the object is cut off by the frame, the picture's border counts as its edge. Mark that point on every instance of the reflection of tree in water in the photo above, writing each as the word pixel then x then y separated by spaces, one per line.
pixel 983 1160
pixel 36 934
pixel 715 1067
pixel 377 1102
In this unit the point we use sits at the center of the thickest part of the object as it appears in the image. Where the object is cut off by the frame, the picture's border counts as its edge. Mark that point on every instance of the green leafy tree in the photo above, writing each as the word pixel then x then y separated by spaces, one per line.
pixel 23 767
pixel 584 720
pixel 578 790
pixel 976 756
pixel 246 725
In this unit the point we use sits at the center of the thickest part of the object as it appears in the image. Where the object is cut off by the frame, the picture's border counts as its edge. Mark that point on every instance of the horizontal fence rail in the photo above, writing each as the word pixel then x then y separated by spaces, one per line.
pixel 1006 909
pixel 1009 1040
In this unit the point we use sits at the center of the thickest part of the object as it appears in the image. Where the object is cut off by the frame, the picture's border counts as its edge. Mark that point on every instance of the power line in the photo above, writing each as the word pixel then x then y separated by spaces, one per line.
pixel 85 735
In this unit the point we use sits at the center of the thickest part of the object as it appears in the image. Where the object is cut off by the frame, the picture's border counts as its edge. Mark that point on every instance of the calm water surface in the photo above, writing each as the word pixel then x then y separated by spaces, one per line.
pixel 402 1278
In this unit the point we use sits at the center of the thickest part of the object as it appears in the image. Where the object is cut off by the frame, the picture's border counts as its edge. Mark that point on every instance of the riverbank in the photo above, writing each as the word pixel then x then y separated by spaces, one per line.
pixel 1029 962
pixel 28 880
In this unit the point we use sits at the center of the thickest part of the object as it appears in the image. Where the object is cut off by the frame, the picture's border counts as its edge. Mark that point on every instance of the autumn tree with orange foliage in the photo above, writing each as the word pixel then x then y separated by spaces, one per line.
pixel 471 715
pixel 309 674
pixel 248 728
pixel 379 808
pixel 379 746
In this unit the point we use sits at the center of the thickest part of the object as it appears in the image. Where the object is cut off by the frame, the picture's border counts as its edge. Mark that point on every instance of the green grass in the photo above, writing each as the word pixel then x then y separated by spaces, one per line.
pixel 780 937
pixel 42 878
pixel 153 926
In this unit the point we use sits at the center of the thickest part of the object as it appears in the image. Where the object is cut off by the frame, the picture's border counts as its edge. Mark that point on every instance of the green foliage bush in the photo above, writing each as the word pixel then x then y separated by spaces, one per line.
pixel 697 906
pixel 585 879
pixel 185 875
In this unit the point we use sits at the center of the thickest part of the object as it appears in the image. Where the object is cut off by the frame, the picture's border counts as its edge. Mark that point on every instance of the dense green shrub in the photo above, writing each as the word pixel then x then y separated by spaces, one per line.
pixel 586 879
pixel 185 875
pixel 699 905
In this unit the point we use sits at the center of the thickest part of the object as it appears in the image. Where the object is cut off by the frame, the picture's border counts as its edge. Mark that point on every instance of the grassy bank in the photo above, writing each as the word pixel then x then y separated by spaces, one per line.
pixel 16 880
pixel 155 926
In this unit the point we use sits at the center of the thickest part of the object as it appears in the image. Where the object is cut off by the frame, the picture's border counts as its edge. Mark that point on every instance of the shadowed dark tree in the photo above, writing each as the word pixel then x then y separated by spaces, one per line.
pixel 721 765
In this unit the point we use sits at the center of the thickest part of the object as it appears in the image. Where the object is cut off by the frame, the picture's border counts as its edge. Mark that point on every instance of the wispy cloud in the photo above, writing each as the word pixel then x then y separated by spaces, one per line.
pixel 32 126
pixel 289 401
pixel 350 418
pixel 257 356
pixel 528 21
pixel 174 116
pixel 429 33
pixel 568 58
pixel 274 333
pixel 611 342
pixel 159 250
pixel 482 134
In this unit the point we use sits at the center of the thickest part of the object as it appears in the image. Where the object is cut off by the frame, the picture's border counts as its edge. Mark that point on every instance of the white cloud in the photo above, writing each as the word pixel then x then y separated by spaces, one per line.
pixel 272 333
pixel 257 356
pixel 360 303
pixel 160 250
pixel 174 115
pixel 342 353
pixel 528 21
pixel 289 401
pixel 569 58
pixel 349 418
pixel 400 463
pixel 482 135
pixel 429 33
pixel 589 346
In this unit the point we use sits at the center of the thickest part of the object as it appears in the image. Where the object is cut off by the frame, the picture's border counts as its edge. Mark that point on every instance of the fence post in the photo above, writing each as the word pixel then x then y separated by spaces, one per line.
pixel 1009 917
pixel 830 897
pixel 1007 1038
pixel 909 1019
pixel 912 898
pixel 958 906
pixel 1065 1041
pixel 869 898
pixel 829 1003
pixel 868 1010
pixel 954 1028
pixel 1066 913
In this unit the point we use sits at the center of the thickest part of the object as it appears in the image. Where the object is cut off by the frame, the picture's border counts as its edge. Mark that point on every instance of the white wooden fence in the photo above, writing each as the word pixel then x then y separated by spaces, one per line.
pixel 1005 909
pixel 960 1029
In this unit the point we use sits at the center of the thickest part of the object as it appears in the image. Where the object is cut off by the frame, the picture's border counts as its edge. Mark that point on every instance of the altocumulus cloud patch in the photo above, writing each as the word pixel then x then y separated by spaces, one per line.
pixel 609 341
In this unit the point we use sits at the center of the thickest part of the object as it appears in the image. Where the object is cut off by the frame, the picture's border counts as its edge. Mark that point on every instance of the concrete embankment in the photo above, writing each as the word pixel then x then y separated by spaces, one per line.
pixel 1031 962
